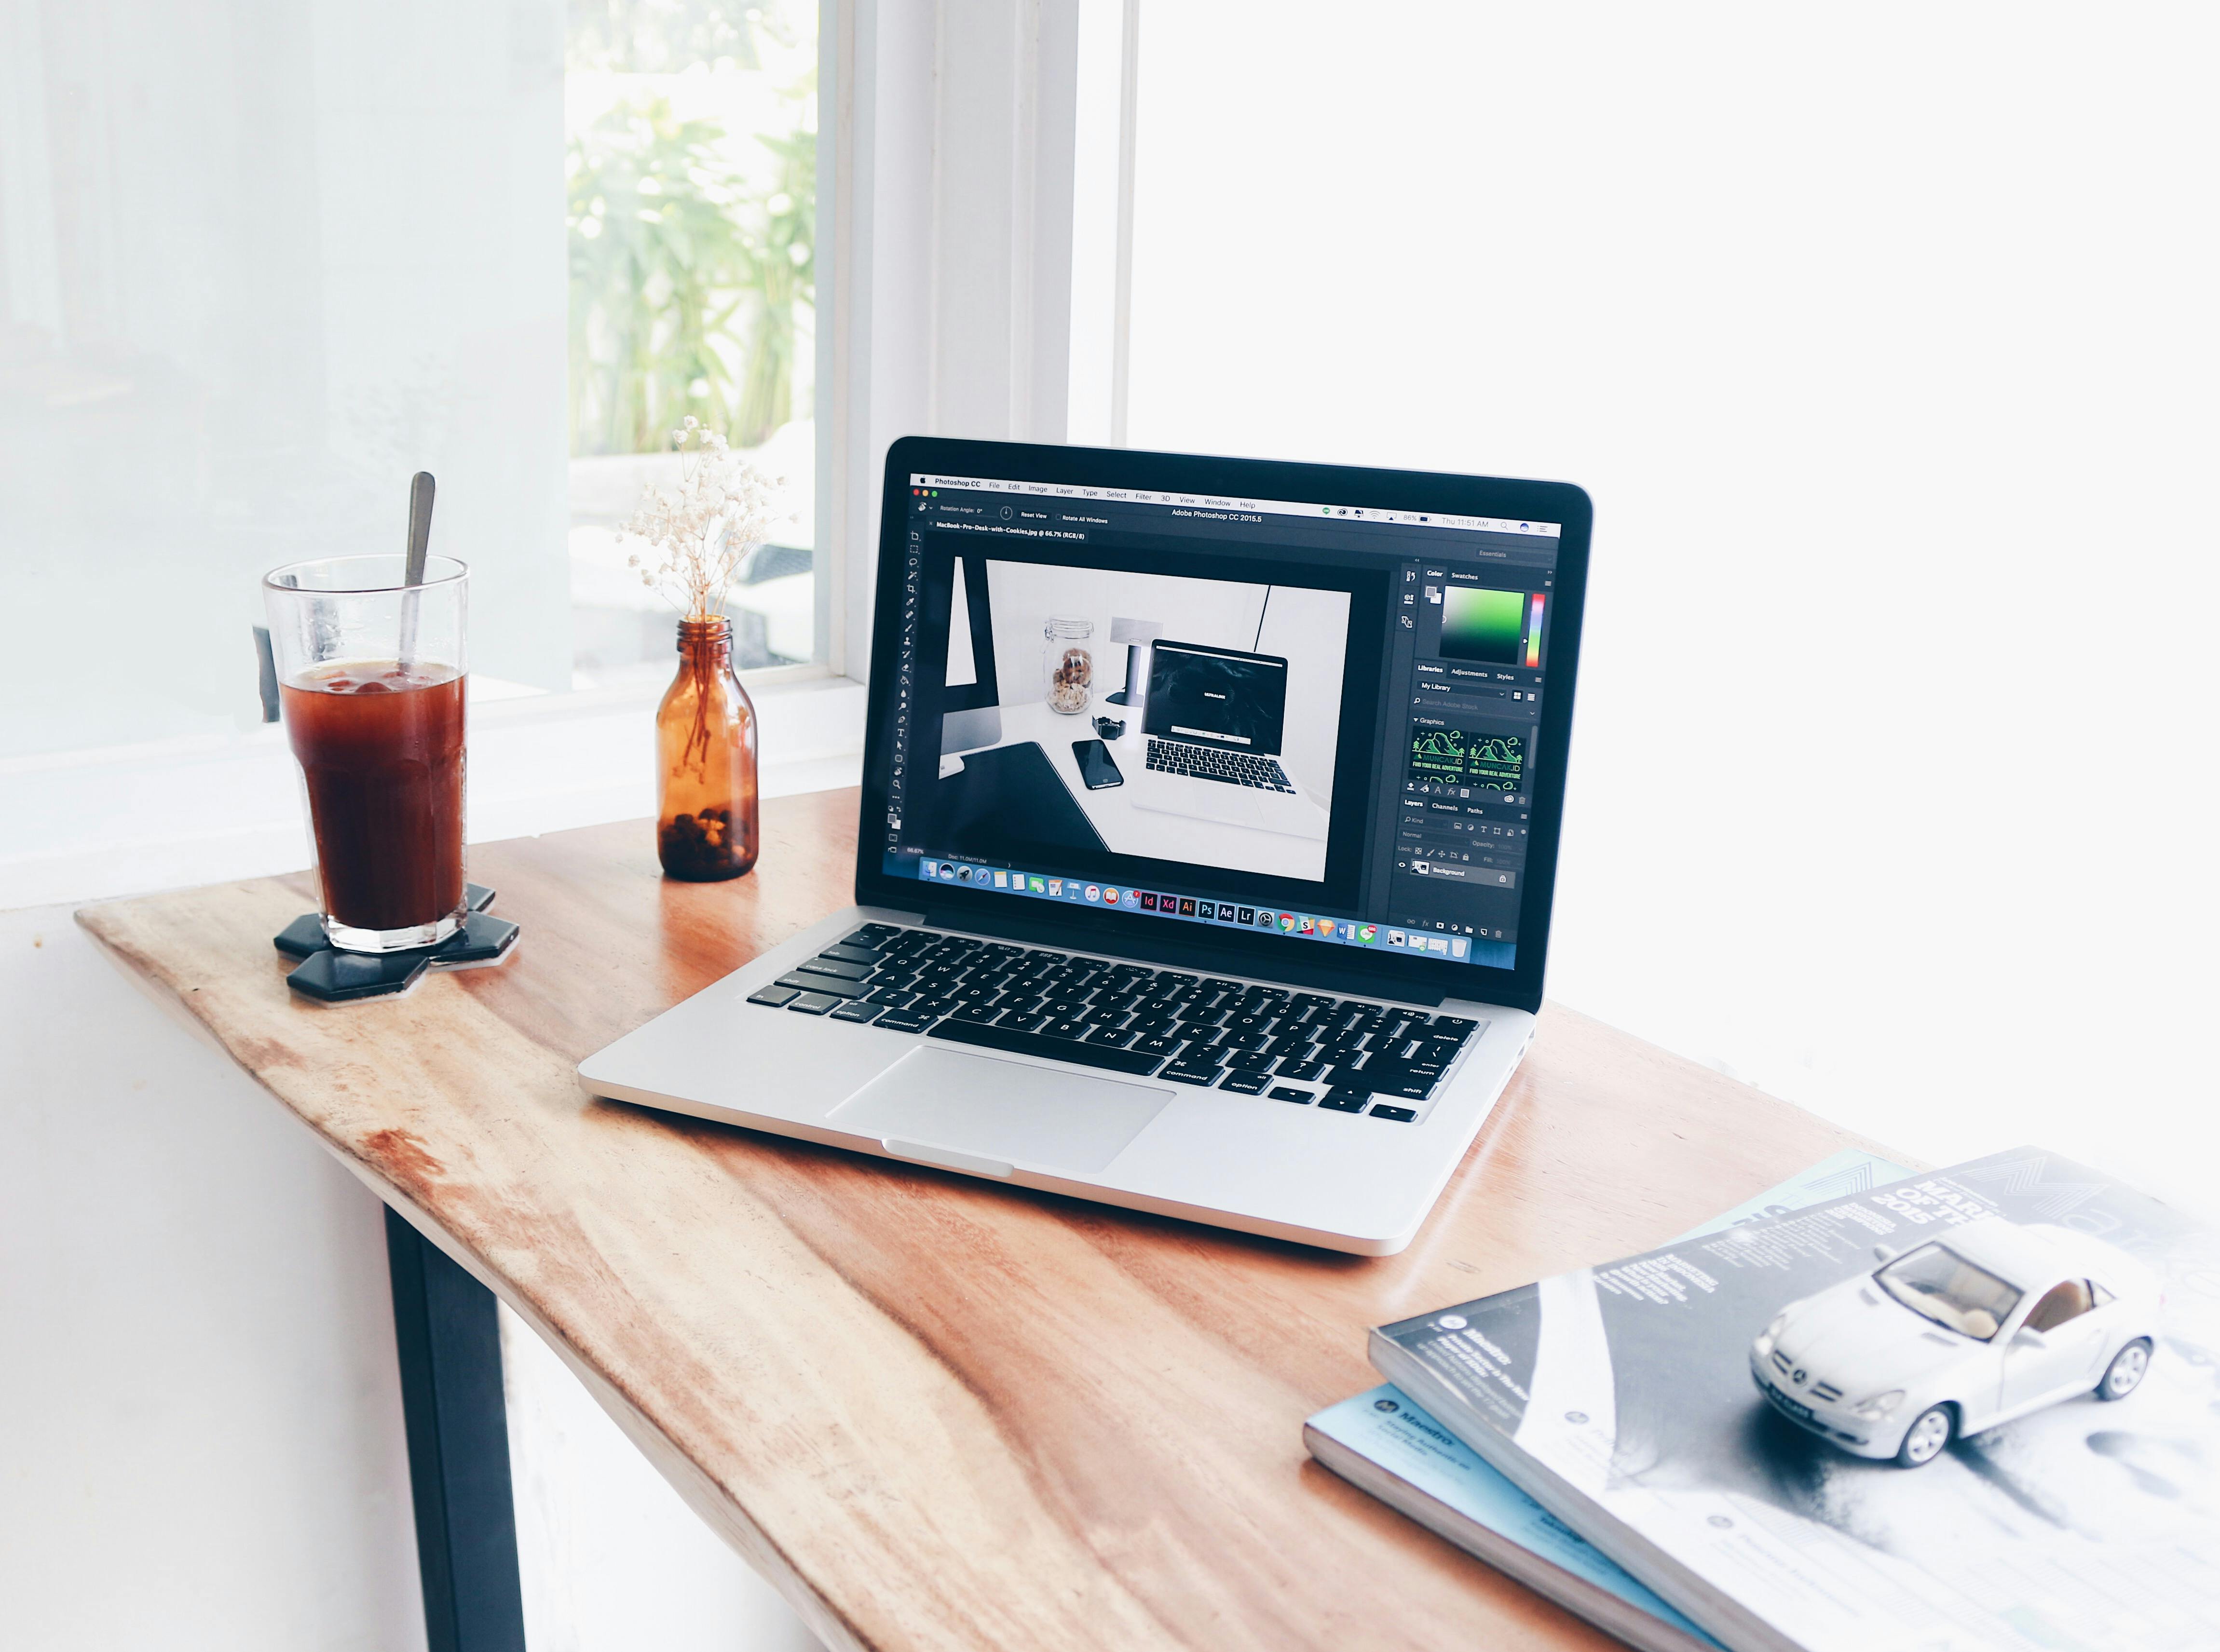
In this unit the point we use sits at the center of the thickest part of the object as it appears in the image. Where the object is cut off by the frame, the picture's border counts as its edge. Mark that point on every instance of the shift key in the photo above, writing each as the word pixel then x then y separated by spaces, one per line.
pixel 813 984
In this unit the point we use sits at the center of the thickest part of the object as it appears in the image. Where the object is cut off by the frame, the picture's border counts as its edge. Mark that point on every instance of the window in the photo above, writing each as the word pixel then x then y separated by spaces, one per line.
pixel 251 283
pixel 2062 1302
pixel 1938 1284
pixel 691 171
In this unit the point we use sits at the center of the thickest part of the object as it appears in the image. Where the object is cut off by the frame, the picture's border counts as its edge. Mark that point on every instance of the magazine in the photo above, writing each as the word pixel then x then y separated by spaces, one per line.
pixel 1389 1446
pixel 1968 1411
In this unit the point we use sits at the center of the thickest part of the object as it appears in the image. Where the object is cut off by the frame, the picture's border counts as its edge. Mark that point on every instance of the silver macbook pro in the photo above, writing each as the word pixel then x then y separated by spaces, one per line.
pixel 1259 950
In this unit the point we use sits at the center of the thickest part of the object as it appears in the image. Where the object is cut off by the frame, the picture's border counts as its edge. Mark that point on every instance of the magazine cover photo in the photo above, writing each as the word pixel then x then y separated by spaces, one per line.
pixel 1975 1408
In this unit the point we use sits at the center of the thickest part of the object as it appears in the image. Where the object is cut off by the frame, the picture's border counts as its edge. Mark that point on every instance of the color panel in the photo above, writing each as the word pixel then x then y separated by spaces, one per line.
pixel 1534 633
pixel 1482 626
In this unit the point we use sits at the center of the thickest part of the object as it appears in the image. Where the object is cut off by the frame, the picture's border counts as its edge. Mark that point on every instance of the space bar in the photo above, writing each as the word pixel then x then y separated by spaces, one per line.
pixel 1012 1042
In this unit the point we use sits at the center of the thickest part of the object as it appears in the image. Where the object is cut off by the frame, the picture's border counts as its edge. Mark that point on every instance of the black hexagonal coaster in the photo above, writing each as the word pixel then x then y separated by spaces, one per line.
pixel 332 976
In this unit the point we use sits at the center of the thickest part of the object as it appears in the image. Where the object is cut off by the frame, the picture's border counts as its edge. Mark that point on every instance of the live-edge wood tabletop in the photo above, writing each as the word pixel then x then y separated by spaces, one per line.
pixel 935 1412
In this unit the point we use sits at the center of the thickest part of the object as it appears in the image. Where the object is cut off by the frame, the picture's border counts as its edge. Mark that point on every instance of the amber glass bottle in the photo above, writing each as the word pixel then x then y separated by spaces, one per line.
pixel 705 739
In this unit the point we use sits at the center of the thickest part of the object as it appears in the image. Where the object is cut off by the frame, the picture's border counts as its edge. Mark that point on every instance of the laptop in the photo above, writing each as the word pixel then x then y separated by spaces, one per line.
pixel 1214 719
pixel 1048 981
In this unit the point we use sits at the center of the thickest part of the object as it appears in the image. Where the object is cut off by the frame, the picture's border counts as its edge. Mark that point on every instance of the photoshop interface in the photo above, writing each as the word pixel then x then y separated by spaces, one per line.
pixel 1468 604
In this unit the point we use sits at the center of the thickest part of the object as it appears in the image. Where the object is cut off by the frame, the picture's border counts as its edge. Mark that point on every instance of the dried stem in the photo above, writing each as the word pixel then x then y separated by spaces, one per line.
pixel 700 531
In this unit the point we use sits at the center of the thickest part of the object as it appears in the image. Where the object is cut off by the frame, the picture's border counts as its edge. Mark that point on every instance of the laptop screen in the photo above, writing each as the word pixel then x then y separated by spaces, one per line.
pixel 1310 720
pixel 1215 697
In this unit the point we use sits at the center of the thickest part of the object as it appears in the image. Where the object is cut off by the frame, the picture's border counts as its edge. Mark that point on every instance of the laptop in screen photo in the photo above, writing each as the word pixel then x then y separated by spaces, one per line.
pixel 1214 721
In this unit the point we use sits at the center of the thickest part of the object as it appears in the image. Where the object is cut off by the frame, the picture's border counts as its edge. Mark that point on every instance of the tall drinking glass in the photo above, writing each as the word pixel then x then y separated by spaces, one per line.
pixel 370 674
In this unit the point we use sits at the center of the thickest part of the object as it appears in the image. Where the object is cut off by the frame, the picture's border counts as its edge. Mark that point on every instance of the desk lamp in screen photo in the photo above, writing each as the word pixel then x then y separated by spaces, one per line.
pixel 970 701
pixel 1137 635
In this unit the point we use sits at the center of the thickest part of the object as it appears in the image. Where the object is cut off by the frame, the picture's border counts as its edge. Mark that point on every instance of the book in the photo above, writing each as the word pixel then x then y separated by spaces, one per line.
pixel 1384 1444
pixel 1729 1418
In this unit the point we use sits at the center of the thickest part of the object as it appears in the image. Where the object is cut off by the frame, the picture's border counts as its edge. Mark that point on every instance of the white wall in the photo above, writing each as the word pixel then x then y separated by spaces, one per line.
pixel 1310 628
pixel 200 1415
pixel 612 1559
pixel 1883 340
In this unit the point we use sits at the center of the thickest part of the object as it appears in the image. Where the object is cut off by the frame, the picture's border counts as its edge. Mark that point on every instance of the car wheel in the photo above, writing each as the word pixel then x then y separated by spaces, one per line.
pixel 2125 1374
pixel 1923 1441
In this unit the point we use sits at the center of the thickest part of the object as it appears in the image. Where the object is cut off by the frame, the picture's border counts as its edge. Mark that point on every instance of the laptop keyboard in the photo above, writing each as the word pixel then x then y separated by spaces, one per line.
pixel 1347 1055
pixel 1207 763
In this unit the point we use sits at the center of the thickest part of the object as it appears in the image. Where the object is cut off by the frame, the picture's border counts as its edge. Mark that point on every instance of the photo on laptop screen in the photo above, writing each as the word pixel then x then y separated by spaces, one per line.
pixel 1303 720
pixel 1226 760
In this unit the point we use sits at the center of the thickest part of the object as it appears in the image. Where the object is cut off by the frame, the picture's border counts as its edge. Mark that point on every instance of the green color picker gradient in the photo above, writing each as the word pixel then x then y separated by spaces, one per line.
pixel 1488 628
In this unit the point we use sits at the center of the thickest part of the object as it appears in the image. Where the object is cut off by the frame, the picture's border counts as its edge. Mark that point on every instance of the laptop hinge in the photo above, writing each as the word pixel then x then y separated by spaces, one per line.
pixel 1297 971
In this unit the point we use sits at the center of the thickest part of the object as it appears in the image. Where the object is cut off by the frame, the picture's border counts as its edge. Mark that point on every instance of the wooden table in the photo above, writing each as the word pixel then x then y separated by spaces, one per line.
pixel 935 1412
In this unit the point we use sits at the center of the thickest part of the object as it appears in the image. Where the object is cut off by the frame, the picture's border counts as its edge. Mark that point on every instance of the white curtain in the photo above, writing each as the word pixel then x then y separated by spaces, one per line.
pixel 1884 338
pixel 258 265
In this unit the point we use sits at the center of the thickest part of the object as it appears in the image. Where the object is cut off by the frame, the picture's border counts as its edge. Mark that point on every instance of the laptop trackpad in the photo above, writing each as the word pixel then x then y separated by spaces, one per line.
pixel 999 1110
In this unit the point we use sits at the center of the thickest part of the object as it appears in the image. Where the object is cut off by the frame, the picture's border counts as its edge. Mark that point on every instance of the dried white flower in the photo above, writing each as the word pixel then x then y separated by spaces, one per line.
pixel 722 507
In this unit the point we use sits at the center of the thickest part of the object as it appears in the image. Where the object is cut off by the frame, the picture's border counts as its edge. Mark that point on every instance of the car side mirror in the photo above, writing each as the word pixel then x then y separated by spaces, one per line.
pixel 2029 1337
pixel 1884 1253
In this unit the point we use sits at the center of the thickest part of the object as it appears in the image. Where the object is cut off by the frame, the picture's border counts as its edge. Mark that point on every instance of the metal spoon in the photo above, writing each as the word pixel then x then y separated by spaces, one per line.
pixel 420 538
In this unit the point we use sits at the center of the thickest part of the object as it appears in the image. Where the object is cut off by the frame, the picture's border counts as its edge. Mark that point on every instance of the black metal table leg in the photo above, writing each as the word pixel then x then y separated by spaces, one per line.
pixel 449 1332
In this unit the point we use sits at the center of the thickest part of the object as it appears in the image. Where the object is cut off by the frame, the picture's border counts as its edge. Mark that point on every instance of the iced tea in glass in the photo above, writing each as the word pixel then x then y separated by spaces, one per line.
pixel 372 683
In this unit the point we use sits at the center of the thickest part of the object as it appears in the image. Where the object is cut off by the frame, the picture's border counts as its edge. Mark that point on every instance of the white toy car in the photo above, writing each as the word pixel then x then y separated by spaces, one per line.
pixel 1986 1322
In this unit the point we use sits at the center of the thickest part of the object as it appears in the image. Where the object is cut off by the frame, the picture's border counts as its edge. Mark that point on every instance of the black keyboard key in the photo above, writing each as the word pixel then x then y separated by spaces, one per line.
pixel 858 1009
pixel 1159 1044
pixel 1453 1028
pixel 1249 1061
pixel 1110 1038
pixel 872 934
pixel 1387 1077
pixel 774 996
pixel 1023 1020
pixel 1205 1077
pixel 891 997
pixel 814 1003
pixel 822 965
pixel 1289 1093
pixel 1069 1027
pixel 822 984
pixel 1244 1084
pixel 1301 1069
pixel 975 1013
pixel 1344 1100
pixel 1400 1115
pixel 844 953
pixel 1035 1043
pixel 907 1020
